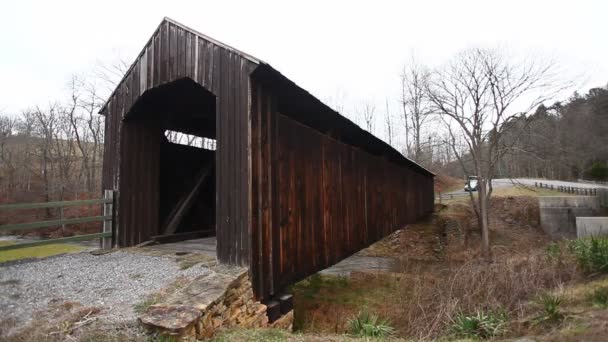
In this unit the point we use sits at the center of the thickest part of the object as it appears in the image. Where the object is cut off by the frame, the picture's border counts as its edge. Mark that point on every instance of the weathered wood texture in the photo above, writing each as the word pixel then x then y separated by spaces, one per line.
pixel 316 200
pixel 131 150
pixel 298 186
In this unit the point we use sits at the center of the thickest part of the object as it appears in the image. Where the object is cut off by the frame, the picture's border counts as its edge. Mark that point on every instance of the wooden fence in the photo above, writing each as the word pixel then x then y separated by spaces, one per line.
pixel 107 218
pixel 439 198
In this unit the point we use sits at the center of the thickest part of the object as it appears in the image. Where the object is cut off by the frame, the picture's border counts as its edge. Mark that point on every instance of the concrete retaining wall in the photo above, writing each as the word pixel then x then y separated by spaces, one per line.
pixel 591 226
pixel 558 213
pixel 603 196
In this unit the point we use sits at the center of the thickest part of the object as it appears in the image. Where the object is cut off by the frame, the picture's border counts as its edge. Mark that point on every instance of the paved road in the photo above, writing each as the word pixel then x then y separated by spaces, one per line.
pixel 531 181
pixel 505 182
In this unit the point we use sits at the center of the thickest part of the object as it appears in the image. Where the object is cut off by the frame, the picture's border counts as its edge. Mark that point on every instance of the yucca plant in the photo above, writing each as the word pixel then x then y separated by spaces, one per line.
pixel 550 308
pixel 370 325
pixel 479 325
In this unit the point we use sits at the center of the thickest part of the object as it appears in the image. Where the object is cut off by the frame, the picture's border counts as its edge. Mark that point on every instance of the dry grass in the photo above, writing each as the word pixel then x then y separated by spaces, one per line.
pixel 427 303
pixel 68 321
pixel 439 274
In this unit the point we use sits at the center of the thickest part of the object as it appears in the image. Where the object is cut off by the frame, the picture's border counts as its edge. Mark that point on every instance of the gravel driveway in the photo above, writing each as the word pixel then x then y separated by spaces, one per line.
pixel 114 282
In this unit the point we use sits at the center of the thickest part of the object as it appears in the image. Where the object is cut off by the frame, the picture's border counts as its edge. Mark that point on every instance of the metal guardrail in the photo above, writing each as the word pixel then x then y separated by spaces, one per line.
pixel 567 189
pixel 107 218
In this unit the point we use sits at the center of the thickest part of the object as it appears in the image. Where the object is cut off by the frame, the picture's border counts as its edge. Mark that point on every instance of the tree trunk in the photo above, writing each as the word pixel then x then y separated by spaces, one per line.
pixel 485 226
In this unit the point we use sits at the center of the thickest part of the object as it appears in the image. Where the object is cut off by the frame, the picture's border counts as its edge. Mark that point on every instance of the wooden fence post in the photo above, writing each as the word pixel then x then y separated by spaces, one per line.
pixel 106 242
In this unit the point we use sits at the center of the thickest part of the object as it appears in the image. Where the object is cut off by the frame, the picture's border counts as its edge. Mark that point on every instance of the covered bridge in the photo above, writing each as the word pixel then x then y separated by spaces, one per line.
pixel 286 184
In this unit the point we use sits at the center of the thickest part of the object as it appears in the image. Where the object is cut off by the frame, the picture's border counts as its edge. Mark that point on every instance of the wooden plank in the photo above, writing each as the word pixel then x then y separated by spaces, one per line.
pixel 255 269
pixel 52 223
pixel 185 203
pixel 235 134
pixel 246 160
pixel 56 241
pixel 173 50
pixel 56 204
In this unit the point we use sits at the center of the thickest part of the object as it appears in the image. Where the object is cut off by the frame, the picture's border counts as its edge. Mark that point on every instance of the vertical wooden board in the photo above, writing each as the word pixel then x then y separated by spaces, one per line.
pixel 276 242
pixel 149 66
pixel 324 203
pixel 172 53
pixel 207 63
pixel 156 70
pixel 200 62
pixel 245 150
pixel 188 71
pixel 293 228
pixel 283 201
pixel 194 57
pixel 256 257
pixel 266 190
pixel 181 53
pixel 237 162
pixel 215 73
pixel 226 119
pixel 318 202
pixel 336 200
pixel 134 93
pixel 164 54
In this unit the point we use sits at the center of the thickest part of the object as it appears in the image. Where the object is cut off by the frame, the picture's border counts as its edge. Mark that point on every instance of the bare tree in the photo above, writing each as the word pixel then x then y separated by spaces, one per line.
pixel 476 94
pixel 368 113
pixel 110 74
pixel 86 124
pixel 389 124
pixel 415 104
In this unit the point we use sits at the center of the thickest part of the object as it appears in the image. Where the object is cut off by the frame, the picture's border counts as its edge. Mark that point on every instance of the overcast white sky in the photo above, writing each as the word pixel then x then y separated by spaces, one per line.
pixel 355 49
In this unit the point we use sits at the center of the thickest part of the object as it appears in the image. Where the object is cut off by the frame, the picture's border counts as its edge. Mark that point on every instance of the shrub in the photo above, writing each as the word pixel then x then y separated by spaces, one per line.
pixel 479 325
pixel 599 297
pixel 550 308
pixel 599 171
pixel 591 254
pixel 369 325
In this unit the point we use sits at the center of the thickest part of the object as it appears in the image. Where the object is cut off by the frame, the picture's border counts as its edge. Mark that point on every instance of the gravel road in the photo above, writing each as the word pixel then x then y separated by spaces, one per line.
pixel 115 282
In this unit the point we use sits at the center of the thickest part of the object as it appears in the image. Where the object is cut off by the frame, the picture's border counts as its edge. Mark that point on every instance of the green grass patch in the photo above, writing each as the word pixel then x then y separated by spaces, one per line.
pixel 324 303
pixel 251 335
pixel 36 252
pixel 599 297
pixel 150 300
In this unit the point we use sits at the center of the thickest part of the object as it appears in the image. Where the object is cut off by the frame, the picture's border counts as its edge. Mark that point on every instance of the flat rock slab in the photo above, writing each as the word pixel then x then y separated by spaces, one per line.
pixel 360 263
pixel 202 291
pixel 180 312
pixel 179 320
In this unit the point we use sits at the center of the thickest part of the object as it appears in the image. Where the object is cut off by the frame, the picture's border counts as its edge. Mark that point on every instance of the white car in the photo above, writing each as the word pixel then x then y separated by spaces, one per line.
pixel 471 184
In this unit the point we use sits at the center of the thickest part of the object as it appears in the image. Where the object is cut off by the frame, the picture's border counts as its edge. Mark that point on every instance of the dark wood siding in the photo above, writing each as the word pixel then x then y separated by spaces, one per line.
pixel 316 200
pixel 295 193
pixel 173 53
